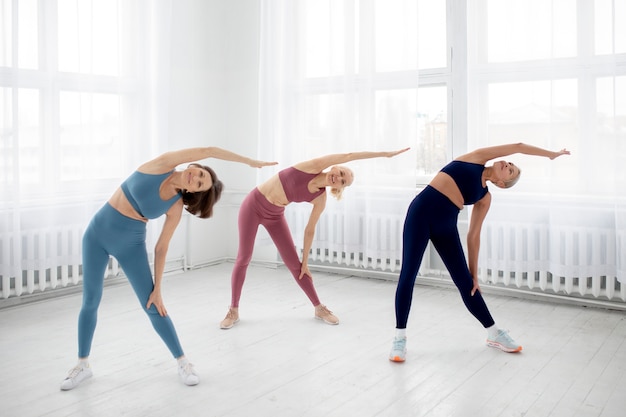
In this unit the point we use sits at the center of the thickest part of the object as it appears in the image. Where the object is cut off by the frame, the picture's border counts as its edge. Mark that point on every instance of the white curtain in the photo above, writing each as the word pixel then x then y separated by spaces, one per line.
pixel 561 84
pixel 447 77
pixel 341 76
pixel 83 101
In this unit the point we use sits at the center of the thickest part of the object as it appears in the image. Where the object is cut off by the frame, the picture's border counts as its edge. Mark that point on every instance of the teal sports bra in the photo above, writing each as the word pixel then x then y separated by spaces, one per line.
pixel 142 191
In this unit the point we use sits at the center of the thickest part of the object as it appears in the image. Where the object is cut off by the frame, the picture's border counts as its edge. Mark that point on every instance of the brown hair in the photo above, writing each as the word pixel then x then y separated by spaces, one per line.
pixel 201 203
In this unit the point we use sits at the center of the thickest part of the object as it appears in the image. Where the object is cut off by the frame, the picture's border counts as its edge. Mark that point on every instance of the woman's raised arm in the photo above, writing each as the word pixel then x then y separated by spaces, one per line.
pixel 482 155
pixel 170 160
pixel 323 162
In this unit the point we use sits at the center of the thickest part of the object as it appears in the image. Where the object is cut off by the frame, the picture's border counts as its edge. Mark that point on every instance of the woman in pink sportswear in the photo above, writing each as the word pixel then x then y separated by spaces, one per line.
pixel 265 205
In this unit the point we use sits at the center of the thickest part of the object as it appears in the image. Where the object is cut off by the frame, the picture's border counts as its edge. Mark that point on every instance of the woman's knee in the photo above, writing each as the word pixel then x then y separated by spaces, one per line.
pixel 241 266
pixel 152 312
pixel 464 284
pixel 243 260
pixel 91 301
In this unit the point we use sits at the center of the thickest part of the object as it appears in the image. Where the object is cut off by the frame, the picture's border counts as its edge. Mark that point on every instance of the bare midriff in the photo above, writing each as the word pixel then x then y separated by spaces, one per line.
pixel 446 186
pixel 273 191
pixel 120 203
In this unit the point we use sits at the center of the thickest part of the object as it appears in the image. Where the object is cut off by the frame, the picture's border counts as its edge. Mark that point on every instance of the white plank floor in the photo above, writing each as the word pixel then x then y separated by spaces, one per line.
pixel 279 361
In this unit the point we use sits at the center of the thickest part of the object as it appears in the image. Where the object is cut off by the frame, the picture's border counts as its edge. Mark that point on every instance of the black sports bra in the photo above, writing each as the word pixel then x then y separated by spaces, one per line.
pixel 468 177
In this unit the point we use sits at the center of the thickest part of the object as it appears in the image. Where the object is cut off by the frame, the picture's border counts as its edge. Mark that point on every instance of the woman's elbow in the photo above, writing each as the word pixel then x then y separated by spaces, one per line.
pixel 160 250
pixel 473 238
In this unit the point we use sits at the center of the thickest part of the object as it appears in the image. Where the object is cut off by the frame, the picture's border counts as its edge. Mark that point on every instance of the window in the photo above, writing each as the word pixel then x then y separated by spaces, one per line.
pixel 68 75
pixel 90 38
pixel 448 77
pixel 560 85
pixel 530 30
pixel 375 75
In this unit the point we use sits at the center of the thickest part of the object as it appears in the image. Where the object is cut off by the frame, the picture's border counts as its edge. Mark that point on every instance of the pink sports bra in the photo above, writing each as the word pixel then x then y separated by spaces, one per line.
pixel 296 185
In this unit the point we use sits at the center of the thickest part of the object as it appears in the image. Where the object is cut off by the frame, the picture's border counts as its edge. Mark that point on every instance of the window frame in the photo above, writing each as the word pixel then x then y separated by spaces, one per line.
pixel 132 89
pixel 453 76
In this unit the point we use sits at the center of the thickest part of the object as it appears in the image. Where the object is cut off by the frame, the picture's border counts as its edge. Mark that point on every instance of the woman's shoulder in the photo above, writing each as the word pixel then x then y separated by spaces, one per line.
pixel 472 158
pixel 309 167
pixel 159 165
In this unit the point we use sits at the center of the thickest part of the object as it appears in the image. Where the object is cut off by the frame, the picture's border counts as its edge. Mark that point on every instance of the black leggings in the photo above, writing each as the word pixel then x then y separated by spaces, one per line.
pixel 432 216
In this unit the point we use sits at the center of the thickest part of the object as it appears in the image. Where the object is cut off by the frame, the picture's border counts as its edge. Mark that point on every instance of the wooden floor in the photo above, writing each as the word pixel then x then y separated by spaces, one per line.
pixel 279 361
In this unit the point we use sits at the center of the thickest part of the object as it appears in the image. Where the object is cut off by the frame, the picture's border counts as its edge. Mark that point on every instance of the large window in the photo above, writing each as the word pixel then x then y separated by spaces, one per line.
pixel 367 75
pixel 344 76
pixel 78 81
pixel 447 77
pixel 71 73
pixel 559 85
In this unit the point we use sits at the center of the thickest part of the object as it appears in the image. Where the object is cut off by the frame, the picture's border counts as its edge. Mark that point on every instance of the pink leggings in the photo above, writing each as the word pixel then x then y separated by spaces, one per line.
pixel 256 210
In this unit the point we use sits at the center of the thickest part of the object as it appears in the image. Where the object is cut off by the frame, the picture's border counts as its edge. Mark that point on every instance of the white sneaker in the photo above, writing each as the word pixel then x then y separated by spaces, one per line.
pixel 187 374
pixel 398 350
pixel 504 342
pixel 75 376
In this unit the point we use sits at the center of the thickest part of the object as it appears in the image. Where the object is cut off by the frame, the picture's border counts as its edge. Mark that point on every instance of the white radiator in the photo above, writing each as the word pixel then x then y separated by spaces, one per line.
pixel 369 242
pixel 575 261
pixel 42 259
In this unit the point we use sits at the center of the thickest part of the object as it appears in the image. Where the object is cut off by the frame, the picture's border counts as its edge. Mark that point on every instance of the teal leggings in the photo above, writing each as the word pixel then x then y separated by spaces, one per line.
pixel 112 234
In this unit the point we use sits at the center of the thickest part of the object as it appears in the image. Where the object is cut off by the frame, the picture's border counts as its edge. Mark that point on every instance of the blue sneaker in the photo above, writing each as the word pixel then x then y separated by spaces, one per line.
pixel 398 350
pixel 504 342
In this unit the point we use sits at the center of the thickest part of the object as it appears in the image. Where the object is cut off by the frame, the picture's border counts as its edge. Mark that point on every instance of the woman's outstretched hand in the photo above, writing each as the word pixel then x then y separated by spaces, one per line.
pixel 260 164
pixel 391 154
pixel 559 153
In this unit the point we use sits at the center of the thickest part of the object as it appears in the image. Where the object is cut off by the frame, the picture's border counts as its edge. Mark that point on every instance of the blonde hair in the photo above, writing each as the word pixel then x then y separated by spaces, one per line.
pixel 510 183
pixel 337 193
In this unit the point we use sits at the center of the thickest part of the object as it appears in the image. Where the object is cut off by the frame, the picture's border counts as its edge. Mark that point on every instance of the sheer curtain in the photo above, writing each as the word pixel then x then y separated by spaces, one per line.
pixel 82 103
pixel 560 85
pixel 341 76
pixel 447 77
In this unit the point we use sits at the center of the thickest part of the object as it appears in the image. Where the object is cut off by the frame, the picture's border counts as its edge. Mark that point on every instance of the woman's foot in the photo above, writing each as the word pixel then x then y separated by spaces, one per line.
pixel 324 314
pixel 501 340
pixel 76 375
pixel 398 349
pixel 187 374
pixel 231 318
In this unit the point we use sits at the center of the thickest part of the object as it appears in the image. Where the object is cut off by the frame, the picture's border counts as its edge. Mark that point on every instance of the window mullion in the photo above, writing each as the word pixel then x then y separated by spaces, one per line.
pixel 456 22
pixel 586 32
pixel 49 93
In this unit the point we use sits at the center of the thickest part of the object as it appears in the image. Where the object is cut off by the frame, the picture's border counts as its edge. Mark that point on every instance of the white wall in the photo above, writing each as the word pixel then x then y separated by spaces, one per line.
pixel 214 91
